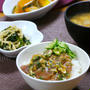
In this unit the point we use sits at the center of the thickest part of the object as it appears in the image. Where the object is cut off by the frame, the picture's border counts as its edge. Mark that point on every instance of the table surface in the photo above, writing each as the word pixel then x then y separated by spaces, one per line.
pixel 52 26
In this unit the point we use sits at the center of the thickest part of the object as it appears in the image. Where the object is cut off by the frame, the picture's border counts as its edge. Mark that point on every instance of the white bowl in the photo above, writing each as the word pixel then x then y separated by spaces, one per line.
pixel 29 29
pixel 24 58
pixel 9 5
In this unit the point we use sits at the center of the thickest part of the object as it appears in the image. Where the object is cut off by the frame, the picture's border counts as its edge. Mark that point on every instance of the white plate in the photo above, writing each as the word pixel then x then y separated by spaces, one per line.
pixel 9 5
pixel 28 28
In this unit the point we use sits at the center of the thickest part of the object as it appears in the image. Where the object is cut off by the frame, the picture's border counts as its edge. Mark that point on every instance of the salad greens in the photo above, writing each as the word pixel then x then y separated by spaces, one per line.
pixel 12 38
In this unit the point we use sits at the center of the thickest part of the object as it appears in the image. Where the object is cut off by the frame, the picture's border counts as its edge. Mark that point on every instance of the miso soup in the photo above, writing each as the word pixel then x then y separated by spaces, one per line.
pixel 82 19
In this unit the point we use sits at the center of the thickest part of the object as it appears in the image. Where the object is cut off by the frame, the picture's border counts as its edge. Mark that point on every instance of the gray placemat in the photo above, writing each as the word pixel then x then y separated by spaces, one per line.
pixel 52 26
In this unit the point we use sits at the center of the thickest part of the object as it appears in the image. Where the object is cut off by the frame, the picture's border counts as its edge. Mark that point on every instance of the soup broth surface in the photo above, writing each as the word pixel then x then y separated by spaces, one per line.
pixel 82 19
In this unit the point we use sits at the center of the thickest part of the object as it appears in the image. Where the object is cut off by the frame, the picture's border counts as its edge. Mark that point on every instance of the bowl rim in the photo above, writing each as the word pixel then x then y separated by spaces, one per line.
pixel 49 81
pixel 19 14
pixel 66 17
pixel 7 51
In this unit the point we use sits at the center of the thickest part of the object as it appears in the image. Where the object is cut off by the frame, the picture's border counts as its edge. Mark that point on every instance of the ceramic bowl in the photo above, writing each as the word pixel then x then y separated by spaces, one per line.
pixel 29 29
pixel 9 5
pixel 79 33
pixel 24 58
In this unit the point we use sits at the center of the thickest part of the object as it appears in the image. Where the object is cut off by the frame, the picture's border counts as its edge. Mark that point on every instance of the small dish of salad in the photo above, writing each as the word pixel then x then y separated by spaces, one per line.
pixel 16 35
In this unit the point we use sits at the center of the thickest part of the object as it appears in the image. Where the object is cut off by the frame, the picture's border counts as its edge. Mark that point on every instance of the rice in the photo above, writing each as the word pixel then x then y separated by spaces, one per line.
pixel 76 68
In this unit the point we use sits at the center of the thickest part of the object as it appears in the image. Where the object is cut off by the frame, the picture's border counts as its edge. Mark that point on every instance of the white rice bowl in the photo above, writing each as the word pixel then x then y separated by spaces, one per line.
pixel 80 66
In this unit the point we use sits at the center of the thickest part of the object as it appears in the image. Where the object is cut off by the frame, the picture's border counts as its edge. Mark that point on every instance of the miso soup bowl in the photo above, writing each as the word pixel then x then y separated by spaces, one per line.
pixel 24 58
pixel 79 33
pixel 10 4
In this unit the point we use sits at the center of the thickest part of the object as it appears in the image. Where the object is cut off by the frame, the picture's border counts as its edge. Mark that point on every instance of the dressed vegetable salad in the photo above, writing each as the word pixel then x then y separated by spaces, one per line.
pixel 12 38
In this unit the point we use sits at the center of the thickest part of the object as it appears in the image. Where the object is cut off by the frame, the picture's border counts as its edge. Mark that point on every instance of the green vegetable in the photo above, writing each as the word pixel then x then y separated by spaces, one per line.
pixel 14 9
pixel 41 77
pixel 21 42
pixel 35 58
pixel 31 65
pixel 53 44
pixel 33 74
pixel 24 41
pixel 60 47
pixel 67 74
pixel 70 53
pixel 0 44
pixel 7 28
pixel 27 42
pixel 57 50
pixel 43 69
pixel 38 65
pixel 60 77
pixel 67 49
pixel 26 7
pixel 4 45
pixel 14 37
pixel 47 53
